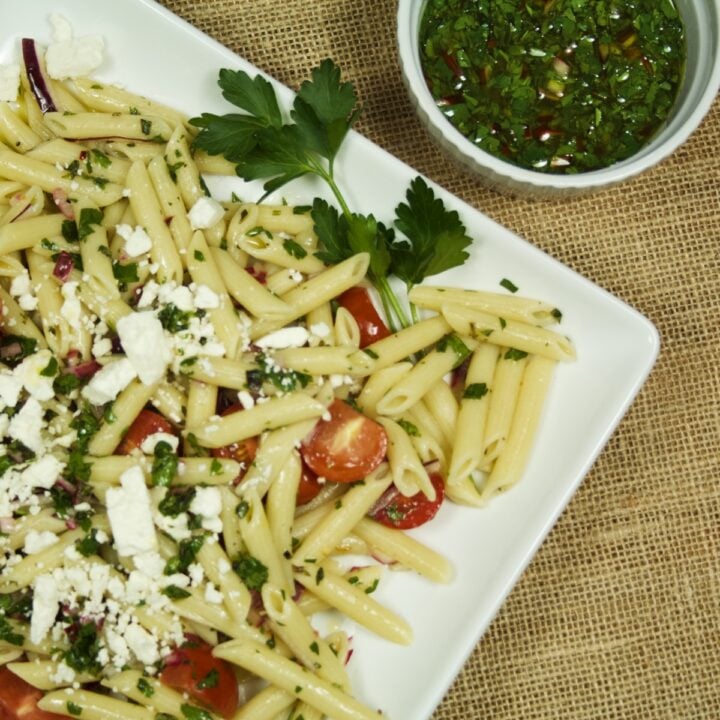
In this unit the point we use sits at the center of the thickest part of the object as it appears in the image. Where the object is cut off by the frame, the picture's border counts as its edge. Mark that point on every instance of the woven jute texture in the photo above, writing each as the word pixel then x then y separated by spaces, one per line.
pixel 618 615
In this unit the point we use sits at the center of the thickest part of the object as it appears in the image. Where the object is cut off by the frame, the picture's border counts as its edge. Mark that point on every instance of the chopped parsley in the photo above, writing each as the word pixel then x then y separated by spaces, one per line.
pixel 210 680
pixel 187 554
pixel 294 249
pixel 509 285
pixel 175 593
pixel 165 464
pixel 173 319
pixel 89 217
pixel 514 354
pixel 251 571
pixel 176 501
pixel 475 391
pixel 145 687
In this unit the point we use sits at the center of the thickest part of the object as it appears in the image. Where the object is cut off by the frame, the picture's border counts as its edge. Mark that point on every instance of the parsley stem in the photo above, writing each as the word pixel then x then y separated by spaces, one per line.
pixel 389 298
pixel 414 313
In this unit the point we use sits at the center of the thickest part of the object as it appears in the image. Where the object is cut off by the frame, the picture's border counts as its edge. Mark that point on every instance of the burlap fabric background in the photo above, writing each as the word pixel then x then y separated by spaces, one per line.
pixel 618 616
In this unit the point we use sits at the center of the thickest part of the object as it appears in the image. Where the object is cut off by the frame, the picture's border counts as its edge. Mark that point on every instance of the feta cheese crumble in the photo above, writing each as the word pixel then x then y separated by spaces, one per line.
pixel 143 339
pixel 205 213
pixel 130 514
pixel 9 82
pixel 70 56
pixel 106 384
pixel 287 337
pixel 137 241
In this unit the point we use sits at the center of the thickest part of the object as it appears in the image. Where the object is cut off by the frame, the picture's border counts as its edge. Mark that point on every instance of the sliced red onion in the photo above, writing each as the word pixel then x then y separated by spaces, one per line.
pixel 7 525
pixel 36 78
pixel 66 485
pixel 60 199
pixel 8 352
pixel 64 265
pixel 21 213
pixel 85 370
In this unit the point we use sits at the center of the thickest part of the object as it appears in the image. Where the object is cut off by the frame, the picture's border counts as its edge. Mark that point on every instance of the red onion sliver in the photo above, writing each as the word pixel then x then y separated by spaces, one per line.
pixel 64 265
pixel 35 76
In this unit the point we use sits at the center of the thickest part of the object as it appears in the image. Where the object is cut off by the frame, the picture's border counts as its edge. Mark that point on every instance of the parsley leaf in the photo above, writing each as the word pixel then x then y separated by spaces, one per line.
pixel 436 238
pixel 251 571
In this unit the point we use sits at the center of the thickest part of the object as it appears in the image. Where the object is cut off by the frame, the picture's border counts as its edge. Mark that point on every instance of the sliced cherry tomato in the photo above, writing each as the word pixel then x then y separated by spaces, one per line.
pixel 395 510
pixel 357 302
pixel 309 486
pixel 210 681
pixel 347 447
pixel 243 451
pixel 18 699
pixel 146 423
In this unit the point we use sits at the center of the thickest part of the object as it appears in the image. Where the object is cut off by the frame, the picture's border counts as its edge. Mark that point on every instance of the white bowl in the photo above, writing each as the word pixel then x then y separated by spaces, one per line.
pixel 697 92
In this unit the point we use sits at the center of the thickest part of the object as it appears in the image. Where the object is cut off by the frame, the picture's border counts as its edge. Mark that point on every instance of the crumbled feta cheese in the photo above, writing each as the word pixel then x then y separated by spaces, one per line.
pixel 196 573
pixel 9 82
pixel 36 542
pixel 10 387
pixel 106 384
pixel 150 563
pixel 63 675
pixel 43 473
pixel 46 602
pixel 205 298
pixel 205 213
pixel 71 309
pixel 149 443
pixel 21 288
pixel 246 399
pixel 295 275
pixel 130 514
pixel 137 241
pixel 207 503
pixel 143 340
pixel 287 337
pixel 224 567
pixel 62 30
pixel 142 644
pixel 26 426
pixel 320 329
pixel 101 347
pixel 212 595
pixel 29 372
pixel 72 57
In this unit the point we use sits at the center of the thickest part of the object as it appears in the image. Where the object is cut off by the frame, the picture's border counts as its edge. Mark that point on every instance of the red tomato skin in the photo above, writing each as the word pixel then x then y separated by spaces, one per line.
pixel 404 513
pixel 347 447
pixel 18 699
pixel 146 423
pixel 309 487
pixel 243 451
pixel 192 663
pixel 357 302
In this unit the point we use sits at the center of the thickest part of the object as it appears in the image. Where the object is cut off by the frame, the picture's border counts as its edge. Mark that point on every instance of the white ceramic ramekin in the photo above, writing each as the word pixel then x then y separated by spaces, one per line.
pixel 699 88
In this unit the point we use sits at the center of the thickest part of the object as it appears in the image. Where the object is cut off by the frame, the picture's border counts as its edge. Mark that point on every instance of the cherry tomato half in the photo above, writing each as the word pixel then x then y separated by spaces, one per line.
pixel 309 486
pixel 210 681
pixel 398 511
pixel 347 447
pixel 357 302
pixel 18 699
pixel 146 423
pixel 243 451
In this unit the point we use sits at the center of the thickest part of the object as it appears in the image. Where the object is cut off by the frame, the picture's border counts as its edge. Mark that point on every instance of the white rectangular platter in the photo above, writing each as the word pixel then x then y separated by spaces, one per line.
pixel 152 52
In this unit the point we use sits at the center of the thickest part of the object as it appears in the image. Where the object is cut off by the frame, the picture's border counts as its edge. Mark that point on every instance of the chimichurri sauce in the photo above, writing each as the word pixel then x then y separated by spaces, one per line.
pixel 560 86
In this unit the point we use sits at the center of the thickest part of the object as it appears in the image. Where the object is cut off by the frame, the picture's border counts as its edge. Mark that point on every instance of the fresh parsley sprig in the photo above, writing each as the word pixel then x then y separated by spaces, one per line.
pixel 265 147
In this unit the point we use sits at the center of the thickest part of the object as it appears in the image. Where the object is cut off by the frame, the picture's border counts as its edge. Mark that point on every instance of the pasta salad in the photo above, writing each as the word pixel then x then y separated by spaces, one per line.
pixel 203 411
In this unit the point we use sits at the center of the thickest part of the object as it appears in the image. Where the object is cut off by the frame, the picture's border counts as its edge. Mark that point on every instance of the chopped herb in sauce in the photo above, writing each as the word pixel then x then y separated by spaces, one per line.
pixel 560 86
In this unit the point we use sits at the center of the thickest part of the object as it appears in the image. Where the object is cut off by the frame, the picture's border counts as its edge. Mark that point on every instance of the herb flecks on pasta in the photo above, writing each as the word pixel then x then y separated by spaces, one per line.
pixel 202 411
